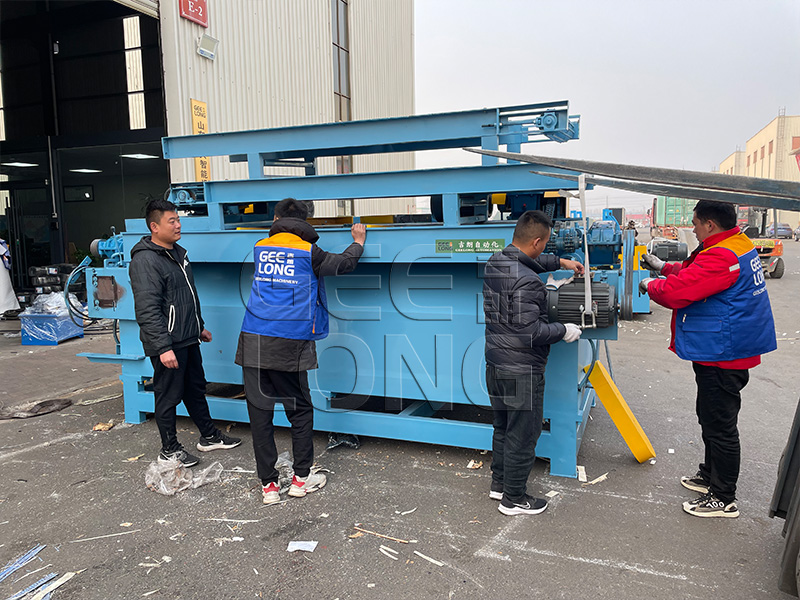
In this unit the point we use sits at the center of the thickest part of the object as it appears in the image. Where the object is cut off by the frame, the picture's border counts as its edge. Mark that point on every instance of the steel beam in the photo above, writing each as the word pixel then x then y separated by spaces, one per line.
pixel 692 193
pixel 501 178
pixel 398 134
pixel 692 179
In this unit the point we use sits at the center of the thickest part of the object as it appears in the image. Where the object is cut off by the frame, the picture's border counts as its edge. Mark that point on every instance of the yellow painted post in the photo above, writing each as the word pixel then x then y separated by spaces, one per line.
pixel 620 413
pixel 638 251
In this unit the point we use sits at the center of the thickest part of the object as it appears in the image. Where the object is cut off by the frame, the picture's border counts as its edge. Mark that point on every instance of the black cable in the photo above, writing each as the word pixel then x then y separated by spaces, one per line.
pixel 72 310
pixel 608 359
pixel 594 345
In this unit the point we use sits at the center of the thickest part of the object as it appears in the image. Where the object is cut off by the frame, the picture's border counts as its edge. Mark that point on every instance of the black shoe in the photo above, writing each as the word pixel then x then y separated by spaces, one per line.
pixel 708 505
pixel 180 455
pixel 219 442
pixel 696 483
pixel 496 490
pixel 527 506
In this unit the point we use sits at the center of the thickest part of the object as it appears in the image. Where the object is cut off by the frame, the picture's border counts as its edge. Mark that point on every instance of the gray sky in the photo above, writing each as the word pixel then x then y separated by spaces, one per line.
pixel 668 83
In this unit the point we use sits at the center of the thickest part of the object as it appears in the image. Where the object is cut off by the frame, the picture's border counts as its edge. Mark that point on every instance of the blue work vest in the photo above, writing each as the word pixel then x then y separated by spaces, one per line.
pixel 735 323
pixel 287 300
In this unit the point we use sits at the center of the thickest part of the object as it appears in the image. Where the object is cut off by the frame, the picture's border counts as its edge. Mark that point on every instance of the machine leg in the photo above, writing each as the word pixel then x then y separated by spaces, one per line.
pixel 561 443
pixel 134 398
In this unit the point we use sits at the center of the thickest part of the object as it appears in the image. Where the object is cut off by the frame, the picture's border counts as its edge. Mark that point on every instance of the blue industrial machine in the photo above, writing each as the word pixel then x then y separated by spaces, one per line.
pixel 404 358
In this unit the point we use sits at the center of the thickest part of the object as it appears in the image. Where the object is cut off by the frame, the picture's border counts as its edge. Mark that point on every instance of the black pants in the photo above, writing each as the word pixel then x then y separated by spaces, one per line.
pixel 187 383
pixel 264 388
pixel 718 404
pixel 517 404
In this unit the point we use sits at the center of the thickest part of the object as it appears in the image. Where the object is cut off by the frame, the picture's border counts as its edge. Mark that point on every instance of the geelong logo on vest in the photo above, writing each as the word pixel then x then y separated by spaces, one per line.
pixel 287 300
pixel 275 263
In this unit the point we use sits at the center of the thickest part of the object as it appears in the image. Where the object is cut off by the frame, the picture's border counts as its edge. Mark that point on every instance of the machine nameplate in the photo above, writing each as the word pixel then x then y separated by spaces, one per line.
pixel 469 245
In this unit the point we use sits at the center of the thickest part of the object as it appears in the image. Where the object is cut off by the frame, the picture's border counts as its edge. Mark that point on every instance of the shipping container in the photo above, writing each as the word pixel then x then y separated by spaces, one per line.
pixel 677 212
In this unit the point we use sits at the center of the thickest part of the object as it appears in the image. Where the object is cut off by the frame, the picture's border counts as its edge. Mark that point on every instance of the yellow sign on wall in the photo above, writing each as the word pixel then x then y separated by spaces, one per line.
pixel 202 164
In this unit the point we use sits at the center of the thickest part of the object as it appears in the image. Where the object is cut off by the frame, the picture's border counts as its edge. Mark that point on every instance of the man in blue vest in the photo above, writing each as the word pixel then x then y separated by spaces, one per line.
pixel 722 322
pixel 286 313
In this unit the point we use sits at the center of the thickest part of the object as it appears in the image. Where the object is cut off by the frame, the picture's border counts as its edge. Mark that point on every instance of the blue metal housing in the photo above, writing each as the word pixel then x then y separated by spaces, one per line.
pixel 404 359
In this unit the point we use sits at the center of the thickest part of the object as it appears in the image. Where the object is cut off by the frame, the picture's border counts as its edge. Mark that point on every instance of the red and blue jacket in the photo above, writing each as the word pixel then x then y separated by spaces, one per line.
pixel 721 311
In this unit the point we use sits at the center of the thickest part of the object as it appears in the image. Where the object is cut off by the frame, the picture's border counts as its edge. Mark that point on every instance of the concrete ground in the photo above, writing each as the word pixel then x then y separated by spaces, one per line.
pixel 623 538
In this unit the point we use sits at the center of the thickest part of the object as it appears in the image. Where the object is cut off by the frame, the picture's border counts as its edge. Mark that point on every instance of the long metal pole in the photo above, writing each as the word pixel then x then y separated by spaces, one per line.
pixel 587 281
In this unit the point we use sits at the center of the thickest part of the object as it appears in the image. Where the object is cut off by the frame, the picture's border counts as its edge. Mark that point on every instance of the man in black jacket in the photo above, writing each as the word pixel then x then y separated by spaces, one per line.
pixel 286 313
pixel 518 339
pixel 171 329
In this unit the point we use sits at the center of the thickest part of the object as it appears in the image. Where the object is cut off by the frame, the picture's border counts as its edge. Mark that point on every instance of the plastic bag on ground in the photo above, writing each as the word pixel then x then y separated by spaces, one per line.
pixel 347 439
pixel 170 477
pixel 285 471
pixel 210 474
pixel 50 304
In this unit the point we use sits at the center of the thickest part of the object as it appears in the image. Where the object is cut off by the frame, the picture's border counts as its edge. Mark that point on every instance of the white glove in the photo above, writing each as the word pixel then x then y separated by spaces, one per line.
pixel 644 283
pixel 573 332
pixel 652 262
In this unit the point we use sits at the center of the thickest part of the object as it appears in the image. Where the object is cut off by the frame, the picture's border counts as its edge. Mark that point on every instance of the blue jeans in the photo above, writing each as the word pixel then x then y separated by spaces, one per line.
pixel 517 404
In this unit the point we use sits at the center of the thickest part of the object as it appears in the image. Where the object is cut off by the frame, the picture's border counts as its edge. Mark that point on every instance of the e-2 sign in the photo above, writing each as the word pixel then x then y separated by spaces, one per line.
pixel 195 10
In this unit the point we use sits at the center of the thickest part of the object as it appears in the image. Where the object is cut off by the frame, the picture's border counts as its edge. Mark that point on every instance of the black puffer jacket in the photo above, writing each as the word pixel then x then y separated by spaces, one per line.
pixel 281 354
pixel 165 298
pixel 518 334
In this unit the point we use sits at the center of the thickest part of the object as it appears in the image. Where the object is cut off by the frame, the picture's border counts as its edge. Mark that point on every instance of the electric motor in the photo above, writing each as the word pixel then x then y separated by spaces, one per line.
pixel 565 304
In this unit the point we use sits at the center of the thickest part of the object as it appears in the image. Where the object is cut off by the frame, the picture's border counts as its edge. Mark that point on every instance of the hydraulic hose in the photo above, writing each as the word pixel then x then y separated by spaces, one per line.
pixel 593 344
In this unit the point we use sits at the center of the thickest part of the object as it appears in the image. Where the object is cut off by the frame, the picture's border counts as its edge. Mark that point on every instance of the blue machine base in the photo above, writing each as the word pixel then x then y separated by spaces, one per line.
pixel 415 424
pixel 567 417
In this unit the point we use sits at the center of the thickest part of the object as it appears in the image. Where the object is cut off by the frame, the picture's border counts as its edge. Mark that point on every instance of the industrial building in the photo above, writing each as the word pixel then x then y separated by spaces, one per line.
pixel 89 88
pixel 772 154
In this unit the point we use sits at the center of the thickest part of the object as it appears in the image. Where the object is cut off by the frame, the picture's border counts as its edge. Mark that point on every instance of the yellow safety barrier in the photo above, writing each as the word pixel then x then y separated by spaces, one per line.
pixel 620 413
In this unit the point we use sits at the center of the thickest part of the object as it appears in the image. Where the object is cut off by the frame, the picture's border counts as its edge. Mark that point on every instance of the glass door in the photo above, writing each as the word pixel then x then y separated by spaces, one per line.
pixel 30 232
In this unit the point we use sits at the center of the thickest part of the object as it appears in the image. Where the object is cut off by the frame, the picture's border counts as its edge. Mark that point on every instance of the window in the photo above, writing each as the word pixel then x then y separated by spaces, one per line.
pixel 762 152
pixel 795 143
pixel 755 156
pixel 344 164
pixel 341 86
pixel 770 146
pixel 341 59
pixel 748 161
pixel 135 73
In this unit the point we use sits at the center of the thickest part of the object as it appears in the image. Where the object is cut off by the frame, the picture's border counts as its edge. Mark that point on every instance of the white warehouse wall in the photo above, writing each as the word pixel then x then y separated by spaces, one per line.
pixel 274 69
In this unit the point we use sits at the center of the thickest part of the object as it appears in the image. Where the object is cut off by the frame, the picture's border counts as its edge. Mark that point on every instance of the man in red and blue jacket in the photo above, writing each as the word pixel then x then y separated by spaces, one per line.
pixel 722 322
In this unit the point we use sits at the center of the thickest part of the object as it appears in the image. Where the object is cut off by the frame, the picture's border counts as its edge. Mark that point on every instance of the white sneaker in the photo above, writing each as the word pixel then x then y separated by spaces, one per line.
pixel 270 493
pixel 304 485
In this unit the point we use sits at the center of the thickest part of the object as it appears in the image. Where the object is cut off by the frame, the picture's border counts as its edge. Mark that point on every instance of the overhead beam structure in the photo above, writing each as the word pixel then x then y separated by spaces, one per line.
pixel 696 185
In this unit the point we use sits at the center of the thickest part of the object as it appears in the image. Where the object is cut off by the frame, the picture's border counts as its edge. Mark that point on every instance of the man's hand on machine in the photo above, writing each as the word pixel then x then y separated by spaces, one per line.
pixel 652 262
pixel 359 233
pixel 573 332
pixel 572 265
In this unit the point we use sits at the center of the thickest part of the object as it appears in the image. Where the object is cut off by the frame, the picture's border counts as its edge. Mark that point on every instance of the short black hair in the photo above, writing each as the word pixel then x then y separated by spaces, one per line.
pixel 722 213
pixel 289 207
pixel 155 209
pixel 531 225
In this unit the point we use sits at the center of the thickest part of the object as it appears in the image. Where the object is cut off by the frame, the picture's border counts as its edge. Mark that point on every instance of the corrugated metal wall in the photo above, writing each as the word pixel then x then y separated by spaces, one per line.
pixel 274 68
pixel 382 82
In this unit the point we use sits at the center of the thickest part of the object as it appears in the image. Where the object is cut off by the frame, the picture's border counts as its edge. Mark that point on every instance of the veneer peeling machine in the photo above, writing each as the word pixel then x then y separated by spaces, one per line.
pixel 404 358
